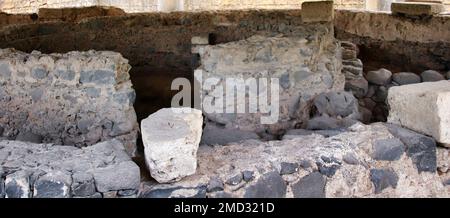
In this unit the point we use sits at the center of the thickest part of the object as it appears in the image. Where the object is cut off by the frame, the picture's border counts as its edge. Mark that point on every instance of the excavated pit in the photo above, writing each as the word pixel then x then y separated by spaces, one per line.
pixel 158 45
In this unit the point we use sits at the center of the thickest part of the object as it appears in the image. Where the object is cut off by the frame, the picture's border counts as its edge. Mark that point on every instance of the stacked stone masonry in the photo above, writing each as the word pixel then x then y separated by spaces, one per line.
pixel 30 170
pixel 393 42
pixel 265 57
pixel 77 99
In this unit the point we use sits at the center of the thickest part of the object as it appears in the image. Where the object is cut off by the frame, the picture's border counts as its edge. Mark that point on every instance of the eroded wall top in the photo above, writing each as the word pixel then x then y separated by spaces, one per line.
pixel 133 6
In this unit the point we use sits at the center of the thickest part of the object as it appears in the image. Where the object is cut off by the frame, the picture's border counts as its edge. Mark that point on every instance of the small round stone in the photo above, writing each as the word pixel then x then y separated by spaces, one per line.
pixel 431 76
pixel 379 77
pixel 405 78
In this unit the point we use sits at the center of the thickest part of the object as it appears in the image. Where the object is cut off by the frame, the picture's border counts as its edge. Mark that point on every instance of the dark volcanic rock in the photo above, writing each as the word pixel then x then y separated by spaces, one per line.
pixel 53 185
pixel 388 149
pixel 288 168
pixel 83 184
pixel 328 166
pixel 270 185
pixel 310 186
pixel 405 78
pixel 2 184
pixel 235 180
pixel 421 149
pixel 215 184
pixel 29 137
pixel 382 179
pixel 248 175
pixel 125 193
pixel 214 135
pixel 431 76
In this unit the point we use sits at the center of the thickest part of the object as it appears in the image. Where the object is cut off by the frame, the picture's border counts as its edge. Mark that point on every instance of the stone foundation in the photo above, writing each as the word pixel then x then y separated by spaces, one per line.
pixel 365 161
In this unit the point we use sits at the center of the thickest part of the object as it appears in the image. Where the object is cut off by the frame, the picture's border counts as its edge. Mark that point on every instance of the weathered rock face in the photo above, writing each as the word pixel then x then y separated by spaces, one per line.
pixel 78 98
pixel 364 161
pixel 305 66
pixel 171 138
pixel 52 171
pixel 423 107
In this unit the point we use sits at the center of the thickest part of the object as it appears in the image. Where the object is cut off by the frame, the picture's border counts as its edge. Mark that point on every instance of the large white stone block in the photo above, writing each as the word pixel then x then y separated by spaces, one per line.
pixel 423 107
pixel 171 138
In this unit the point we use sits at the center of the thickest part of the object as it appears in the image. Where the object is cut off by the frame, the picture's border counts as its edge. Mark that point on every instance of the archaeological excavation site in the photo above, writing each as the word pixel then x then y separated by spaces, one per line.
pixel 224 99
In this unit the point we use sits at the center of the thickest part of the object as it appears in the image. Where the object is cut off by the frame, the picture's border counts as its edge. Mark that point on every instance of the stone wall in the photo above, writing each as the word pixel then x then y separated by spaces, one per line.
pixel 397 43
pixel 147 40
pixel 103 170
pixel 78 98
pixel 398 39
pixel 32 6
pixel 305 65
pixel 133 6
pixel 194 5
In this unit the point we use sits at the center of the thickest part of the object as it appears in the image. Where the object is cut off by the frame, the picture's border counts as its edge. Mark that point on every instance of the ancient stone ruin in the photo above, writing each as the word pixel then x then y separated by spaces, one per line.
pixel 326 101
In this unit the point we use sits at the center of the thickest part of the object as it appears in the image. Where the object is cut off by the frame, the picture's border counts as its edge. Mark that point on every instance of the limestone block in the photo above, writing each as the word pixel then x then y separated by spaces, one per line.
pixel 423 107
pixel 416 8
pixel 200 40
pixel 320 11
pixel 171 138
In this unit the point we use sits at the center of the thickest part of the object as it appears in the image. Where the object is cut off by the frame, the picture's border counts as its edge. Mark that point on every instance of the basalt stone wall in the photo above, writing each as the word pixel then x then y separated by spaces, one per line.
pixel 30 170
pixel 397 43
pixel 78 98
pixel 305 65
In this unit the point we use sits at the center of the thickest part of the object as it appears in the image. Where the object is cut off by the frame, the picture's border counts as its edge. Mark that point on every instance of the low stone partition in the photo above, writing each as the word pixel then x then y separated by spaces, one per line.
pixel 30 170
pixel 78 98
